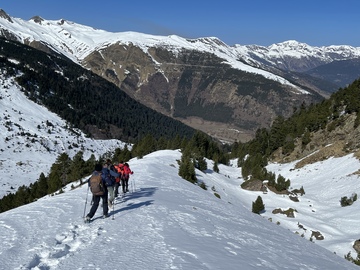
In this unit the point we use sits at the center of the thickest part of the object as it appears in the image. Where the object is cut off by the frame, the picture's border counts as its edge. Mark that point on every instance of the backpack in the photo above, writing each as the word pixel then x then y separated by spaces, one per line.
pixel 120 170
pixel 109 179
pixel 96 184
pixel 126 171
pixel 117 170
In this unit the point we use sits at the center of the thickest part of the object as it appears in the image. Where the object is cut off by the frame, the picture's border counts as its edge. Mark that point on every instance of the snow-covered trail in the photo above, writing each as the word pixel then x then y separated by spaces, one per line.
pixel 164 223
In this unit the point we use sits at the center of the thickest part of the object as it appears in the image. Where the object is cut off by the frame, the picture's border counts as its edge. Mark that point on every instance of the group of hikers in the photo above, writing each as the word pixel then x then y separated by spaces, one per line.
pixel 104 184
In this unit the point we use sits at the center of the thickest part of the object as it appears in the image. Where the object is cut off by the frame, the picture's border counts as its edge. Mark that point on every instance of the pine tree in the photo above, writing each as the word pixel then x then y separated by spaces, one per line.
pixel 58 176
pixel 216 168
pixel 282 184
pixel 201 163
pixel 145 146
pixel 77 167
pixel 187 168
pixel 42 186
pixel 90 165
pixel 258 206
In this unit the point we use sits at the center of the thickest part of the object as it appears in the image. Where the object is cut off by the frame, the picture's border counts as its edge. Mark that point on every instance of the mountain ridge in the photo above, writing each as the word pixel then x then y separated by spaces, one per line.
pixel 100 38
pixel 188 78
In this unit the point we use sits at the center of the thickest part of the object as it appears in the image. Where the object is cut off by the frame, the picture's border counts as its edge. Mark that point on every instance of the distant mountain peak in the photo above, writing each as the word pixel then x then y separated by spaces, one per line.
pixel 61 22
pixel 37 19
pixel 291 45
pixel 5 16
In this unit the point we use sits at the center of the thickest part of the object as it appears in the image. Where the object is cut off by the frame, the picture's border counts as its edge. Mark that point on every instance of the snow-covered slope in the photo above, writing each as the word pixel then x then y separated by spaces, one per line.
pixel 32 137
pixel 165 222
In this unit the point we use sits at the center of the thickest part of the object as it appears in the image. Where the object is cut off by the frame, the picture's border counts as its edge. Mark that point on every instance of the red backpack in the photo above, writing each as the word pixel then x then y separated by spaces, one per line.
pixel 120 170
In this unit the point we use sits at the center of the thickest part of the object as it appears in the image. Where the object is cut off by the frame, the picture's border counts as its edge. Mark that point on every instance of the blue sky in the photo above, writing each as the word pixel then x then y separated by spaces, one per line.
pixel 261 22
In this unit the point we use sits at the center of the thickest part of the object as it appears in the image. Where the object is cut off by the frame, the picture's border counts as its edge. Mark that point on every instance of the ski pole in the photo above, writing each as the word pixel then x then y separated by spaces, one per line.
pixel 113 210
pixel 87 193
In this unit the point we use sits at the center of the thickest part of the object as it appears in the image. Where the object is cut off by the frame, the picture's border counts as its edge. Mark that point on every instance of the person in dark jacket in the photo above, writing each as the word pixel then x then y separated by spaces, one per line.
pixel 110 171
pixel 96 198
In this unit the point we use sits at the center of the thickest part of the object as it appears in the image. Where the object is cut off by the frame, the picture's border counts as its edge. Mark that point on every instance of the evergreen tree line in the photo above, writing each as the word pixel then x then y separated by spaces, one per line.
pixel 194 153
pixel 66 170
pixel 254 155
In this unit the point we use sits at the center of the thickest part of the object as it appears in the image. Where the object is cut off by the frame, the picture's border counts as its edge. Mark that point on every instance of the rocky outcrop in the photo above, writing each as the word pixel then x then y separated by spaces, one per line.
pixel 356 246
pixel 337 139
pixel 5 16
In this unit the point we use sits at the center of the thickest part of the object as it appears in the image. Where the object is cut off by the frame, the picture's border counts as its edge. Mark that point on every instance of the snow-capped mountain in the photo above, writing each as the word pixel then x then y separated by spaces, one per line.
pixel 296 56
pixel 202 82
pixel 77 41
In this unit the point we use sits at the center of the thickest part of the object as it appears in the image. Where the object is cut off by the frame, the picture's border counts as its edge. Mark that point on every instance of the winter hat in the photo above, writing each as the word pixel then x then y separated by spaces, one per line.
pixel 98 167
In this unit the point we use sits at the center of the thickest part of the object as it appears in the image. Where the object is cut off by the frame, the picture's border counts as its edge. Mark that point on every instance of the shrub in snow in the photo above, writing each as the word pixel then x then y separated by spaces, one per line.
pixel 258 206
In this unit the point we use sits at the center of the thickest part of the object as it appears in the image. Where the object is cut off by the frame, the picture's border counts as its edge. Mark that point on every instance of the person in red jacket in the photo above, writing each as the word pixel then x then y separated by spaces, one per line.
pixel 125 177
pixel 119 168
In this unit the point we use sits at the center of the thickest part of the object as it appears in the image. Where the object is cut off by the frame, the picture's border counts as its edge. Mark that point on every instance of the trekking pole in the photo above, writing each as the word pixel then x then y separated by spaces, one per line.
pixel 87 193
pixel 113 210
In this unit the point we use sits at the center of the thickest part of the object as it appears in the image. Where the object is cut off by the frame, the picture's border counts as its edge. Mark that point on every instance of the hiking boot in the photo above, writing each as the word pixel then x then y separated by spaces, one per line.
pixel 106 216
pixel 87 219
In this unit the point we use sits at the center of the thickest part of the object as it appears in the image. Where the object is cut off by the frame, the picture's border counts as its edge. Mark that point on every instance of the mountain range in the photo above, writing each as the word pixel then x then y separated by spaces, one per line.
pixel 226 91
pixel 170 222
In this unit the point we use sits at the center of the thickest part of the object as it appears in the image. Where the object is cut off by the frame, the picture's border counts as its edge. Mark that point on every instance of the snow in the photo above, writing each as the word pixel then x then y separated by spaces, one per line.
pixel 32 137
pixel 77 41
pixel 165 222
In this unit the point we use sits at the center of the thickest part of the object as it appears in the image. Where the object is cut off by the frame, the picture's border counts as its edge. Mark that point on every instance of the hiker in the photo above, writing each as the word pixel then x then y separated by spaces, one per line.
pixel 110 176
pixel 97 194
pixel 119 170
pixel 125 177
